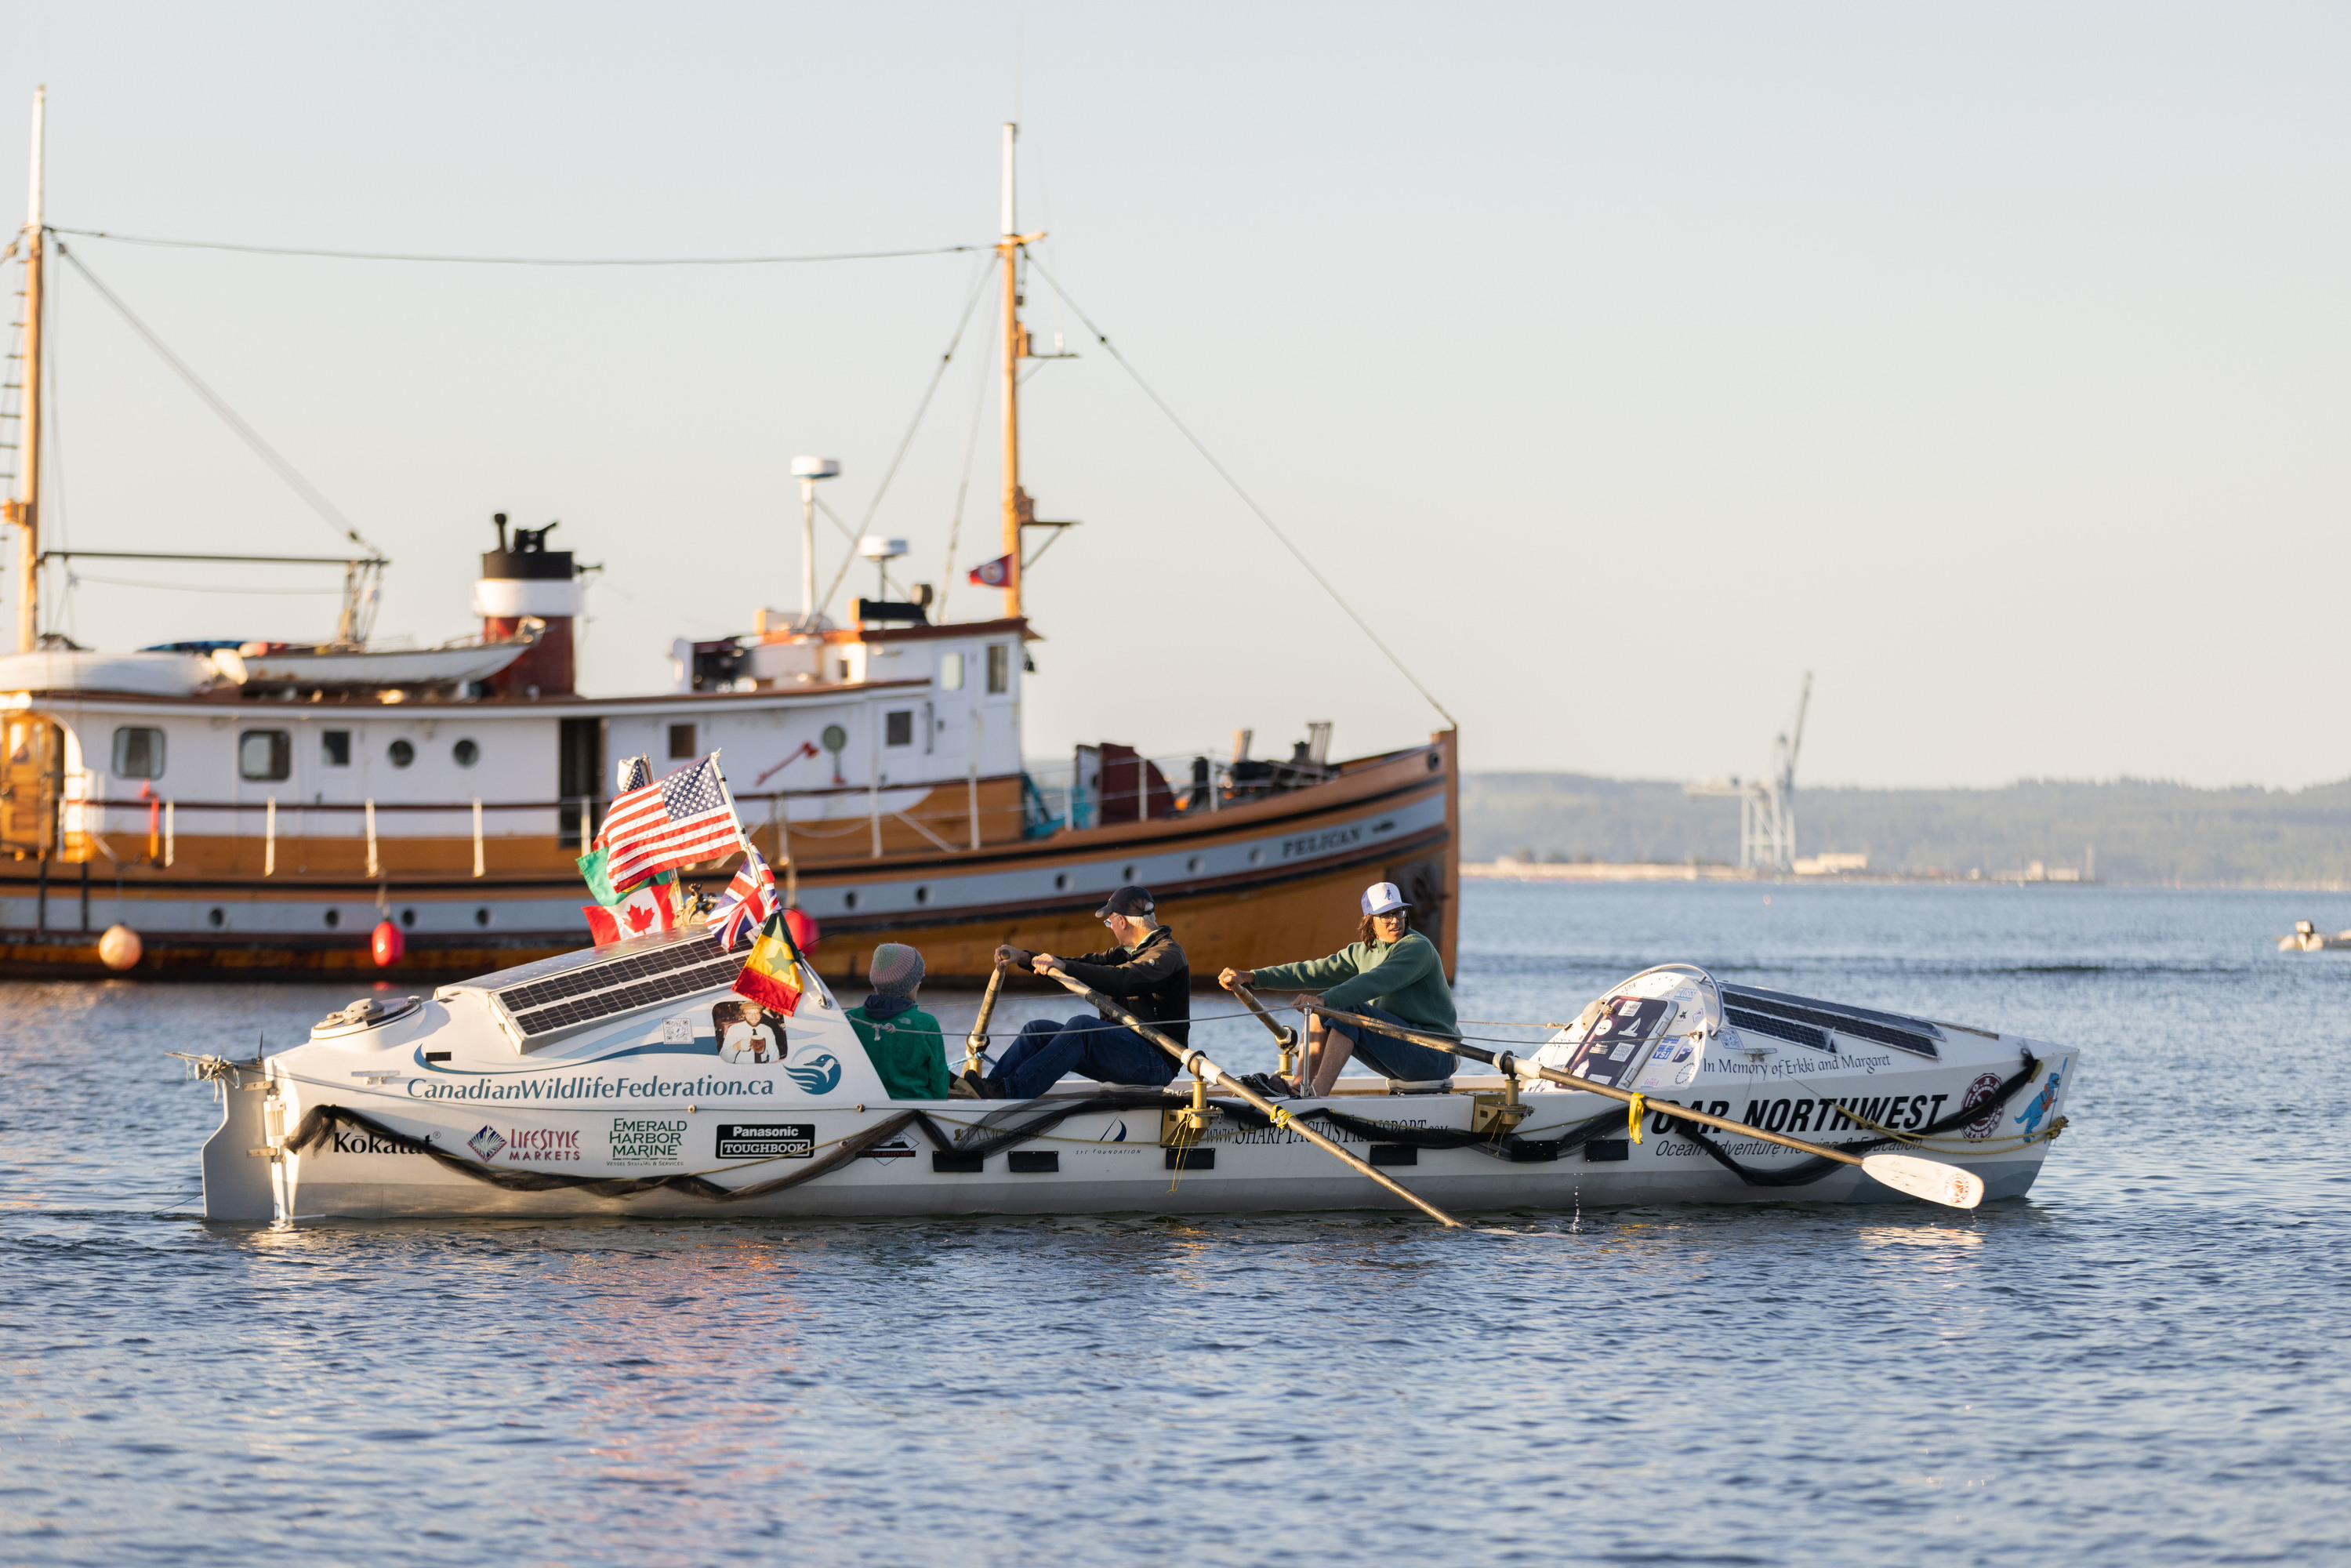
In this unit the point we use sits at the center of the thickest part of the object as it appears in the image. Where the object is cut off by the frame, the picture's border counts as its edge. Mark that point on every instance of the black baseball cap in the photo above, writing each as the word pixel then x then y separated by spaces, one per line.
pixel 1129 901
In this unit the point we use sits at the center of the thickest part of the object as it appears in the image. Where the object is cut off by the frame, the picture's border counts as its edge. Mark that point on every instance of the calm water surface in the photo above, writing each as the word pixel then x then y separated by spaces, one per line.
pixel 2143 1363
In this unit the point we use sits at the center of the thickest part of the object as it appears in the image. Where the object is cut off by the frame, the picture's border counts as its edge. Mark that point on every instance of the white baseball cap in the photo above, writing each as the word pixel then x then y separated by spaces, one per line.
pixel 1383 898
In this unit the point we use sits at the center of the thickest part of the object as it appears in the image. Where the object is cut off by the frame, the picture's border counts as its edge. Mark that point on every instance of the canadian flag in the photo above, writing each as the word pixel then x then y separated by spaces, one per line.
pixel 652 907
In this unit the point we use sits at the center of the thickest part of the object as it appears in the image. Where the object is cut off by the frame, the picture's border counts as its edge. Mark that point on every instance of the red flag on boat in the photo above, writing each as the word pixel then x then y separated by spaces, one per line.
pixel 651 908
pixel 993 573
pixel 771 975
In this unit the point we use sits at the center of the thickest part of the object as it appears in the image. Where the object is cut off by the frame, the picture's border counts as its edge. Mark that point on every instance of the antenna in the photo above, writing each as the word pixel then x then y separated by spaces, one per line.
pixel 807 470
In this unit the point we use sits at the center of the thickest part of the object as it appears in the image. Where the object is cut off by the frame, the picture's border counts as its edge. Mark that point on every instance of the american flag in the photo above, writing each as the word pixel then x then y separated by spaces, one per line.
pixel 674 822
pixel 748 900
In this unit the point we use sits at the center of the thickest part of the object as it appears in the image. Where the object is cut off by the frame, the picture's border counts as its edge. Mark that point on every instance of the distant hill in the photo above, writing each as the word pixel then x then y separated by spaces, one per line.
pixel 2142 832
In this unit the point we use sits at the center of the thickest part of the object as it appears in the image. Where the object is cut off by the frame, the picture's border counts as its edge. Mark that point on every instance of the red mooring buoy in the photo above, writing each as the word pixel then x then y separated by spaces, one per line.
pixel 387 943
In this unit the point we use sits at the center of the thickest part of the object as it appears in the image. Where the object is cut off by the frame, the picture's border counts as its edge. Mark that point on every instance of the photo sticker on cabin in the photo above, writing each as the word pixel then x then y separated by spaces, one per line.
pixel 747 1032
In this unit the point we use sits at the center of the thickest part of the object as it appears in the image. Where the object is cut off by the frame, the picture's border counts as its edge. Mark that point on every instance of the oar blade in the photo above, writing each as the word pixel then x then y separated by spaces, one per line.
pixel 1931 1179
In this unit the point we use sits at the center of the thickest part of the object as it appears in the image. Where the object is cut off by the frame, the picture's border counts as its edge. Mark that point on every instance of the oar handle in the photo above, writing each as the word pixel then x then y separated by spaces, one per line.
pixel 1201 1066
pixel 1283 1036
pixel 1511 1063
pixel 976 1041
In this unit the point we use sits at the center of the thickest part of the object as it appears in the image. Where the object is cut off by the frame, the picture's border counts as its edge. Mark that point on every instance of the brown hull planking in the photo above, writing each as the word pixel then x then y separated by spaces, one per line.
pixel 1296 918
pixel 1240 922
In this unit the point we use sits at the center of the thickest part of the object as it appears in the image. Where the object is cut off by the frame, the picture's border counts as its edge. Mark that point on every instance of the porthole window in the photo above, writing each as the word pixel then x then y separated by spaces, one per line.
pixel 138 753
pixel 1257 857
pixel 848 899
pixel 922 896
pixel 481 917
pixel 466 753
pixel 264 756
pixel 1126 874
pixel 408 918
pixel 401 752
pixel 1062 881
pixel 334 919
pixel 216 918
pixel 1193 865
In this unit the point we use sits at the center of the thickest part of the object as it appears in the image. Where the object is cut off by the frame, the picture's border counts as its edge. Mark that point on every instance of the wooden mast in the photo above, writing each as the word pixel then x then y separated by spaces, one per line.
pixel 24 511
pixel 1015 500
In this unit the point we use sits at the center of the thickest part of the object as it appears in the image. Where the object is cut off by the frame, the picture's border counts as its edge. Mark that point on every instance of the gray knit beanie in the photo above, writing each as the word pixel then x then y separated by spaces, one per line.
pixel 897 969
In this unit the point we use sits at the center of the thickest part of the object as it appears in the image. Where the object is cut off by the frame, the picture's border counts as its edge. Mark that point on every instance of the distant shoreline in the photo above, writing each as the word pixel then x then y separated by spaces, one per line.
pixel 1655 871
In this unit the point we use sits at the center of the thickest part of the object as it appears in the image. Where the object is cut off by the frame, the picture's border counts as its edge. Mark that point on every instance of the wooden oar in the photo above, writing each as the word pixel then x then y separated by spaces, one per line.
pixel 1931 1179
pixel 1199 1066
pixel 976 1041
pixel 1283 1036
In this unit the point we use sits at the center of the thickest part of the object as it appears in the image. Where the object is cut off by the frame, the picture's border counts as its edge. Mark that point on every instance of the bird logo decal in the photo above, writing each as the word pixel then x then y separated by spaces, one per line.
pixel 821 1075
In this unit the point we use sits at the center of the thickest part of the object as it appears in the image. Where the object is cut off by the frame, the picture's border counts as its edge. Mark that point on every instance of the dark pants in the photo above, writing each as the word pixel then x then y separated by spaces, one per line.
pixel 1094 1048
pixel 1388 1056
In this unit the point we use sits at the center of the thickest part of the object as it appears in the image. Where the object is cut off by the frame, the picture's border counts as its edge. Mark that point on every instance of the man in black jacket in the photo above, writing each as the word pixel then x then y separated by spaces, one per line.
pixel 1146 970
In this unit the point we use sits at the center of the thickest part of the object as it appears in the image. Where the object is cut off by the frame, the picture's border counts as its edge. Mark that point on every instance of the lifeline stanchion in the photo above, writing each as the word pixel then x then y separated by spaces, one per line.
pixel 1200 1067
pixel 1929 1179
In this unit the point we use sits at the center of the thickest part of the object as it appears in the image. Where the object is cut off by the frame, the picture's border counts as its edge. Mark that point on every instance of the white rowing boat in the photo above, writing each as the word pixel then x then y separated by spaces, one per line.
pixel 593 1083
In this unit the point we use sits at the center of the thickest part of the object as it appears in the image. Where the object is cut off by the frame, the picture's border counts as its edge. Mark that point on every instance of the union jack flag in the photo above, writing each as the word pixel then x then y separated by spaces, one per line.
pixel 748 902
pixel 673 822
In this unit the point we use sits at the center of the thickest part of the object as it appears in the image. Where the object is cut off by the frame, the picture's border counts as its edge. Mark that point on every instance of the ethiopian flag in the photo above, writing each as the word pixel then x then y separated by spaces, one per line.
pixel 771 975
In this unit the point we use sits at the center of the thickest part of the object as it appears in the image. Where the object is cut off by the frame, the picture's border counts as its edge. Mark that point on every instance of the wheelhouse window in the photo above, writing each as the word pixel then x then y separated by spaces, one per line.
pixel 138 752
pixel 264 756
pixel 1000 669
pixel 335 748
pixel 898 728
pixel 680 741
pixel 950 671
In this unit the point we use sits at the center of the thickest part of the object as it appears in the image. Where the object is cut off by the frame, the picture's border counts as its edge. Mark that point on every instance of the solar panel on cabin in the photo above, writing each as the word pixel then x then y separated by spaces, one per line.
pixel 618 986
pixel 1781 1029
pixel 1860 1023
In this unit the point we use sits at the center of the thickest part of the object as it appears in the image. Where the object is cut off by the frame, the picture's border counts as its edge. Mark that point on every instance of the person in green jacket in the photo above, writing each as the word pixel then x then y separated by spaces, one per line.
pixel 1390 972
pixel 904 1041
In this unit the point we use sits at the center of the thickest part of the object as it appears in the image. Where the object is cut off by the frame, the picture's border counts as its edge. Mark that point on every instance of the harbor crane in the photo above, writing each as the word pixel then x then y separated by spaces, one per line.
pixel 1767 806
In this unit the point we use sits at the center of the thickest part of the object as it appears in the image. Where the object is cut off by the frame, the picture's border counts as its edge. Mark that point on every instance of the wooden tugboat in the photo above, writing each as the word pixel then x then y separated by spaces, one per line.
pixel 258 810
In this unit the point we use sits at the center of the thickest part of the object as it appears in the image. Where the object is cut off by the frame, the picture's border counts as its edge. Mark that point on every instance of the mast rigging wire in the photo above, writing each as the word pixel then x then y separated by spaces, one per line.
pixel 229 416
pixel 516 260
pixel 1247 499
pixel 938 374
pixel 962 484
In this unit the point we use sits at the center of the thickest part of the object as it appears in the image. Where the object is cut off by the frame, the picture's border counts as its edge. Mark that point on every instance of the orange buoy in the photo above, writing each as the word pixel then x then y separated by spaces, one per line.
pixel 387 943
pixel 119 948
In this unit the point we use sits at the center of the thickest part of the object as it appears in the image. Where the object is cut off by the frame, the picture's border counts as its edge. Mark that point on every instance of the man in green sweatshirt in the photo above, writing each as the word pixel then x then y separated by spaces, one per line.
pixel 903 1040
pixel 1391 973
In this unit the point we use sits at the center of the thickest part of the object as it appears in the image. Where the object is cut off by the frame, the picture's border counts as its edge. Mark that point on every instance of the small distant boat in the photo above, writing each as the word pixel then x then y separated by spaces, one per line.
pixel 2308 938
pixel 257 666
pixel 592 1083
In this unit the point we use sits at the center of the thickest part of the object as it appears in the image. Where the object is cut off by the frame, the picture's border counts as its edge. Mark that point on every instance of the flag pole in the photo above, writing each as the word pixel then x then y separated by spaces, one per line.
pixel 741 840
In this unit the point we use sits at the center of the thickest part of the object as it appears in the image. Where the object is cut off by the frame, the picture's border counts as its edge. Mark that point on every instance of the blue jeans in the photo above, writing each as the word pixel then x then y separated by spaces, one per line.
pixel 1388 1056
pixel 1091 1047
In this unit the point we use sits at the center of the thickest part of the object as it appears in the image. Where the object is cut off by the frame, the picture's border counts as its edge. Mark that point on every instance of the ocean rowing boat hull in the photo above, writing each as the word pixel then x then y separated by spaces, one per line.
pixel 652 1099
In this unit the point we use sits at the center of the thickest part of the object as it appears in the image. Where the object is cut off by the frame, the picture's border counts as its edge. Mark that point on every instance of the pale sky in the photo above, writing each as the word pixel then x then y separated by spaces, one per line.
pixel 1621 362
